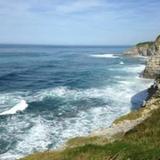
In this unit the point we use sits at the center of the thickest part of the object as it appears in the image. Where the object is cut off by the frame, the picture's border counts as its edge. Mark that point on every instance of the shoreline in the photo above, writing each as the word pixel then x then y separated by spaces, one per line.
pixel 113 134
pixel 147 114
pixel 117 130
pixel 128 121
pixel 109 133
pixel 119 127
pixel 125 83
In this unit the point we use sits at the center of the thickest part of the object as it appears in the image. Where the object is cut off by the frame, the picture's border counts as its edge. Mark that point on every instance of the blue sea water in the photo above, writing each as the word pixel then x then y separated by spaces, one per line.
pixel 49 94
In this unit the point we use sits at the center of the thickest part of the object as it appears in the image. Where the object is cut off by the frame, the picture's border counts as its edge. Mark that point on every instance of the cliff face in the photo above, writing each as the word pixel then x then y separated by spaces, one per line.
pixel 152 69
pixel 146 49
pixel 152 50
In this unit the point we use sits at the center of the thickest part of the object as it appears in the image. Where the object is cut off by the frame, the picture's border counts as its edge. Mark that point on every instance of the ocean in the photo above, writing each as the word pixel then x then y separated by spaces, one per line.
pixel 49 94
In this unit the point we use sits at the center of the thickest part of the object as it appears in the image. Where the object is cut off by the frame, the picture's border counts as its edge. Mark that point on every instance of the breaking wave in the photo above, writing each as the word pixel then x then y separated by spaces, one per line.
pixel 17 108
pixel 121 62
pixel 104 56
pixel 56 106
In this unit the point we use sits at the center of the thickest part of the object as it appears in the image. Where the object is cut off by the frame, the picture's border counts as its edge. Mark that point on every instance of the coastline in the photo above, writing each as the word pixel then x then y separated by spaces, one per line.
pixel 118 129
pixel 119 126
pixel 112 135
pixel 127 122
pixel 113 101
pixel 129 135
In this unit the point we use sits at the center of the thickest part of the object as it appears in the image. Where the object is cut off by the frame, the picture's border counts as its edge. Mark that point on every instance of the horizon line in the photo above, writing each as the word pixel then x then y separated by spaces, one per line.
pixel 72 45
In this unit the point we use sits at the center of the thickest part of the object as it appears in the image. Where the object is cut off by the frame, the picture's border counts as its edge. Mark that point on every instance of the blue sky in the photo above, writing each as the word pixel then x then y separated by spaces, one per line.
pixel 78 22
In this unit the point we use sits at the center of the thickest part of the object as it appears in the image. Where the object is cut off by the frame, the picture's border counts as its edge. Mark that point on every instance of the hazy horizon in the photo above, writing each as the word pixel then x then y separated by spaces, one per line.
pixel 78 22
pixel 67 45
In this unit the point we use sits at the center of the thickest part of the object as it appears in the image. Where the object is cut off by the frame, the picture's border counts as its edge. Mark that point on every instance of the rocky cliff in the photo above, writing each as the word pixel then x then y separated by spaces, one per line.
pixel 152 50
pixel 145 48
pixel 152 69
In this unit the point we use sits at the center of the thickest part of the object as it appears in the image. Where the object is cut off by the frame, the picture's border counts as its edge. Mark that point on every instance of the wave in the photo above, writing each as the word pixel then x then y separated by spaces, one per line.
pixel 106 93
pixel 121 62
pixel 130 69
pixel 104 56
pixel 17 108
pixel 51 130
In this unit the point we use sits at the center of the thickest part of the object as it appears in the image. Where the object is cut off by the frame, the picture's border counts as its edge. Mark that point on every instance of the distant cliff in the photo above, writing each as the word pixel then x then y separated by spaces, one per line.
pixel 145 48
pixel 152 50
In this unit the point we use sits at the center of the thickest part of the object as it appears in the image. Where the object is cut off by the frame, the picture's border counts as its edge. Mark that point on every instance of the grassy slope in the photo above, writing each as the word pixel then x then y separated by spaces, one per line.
pixel 141 143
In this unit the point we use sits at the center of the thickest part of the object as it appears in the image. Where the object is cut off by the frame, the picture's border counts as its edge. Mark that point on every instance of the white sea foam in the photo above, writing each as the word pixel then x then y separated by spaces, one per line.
pixel 55 131
pixel 44 133
pixel 131 69
pixel 17 108
pixel 37 137
pixel 121 62
pixel 104 56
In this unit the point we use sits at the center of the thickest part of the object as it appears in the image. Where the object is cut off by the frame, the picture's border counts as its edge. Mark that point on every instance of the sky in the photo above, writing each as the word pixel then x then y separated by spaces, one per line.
pixel 79 22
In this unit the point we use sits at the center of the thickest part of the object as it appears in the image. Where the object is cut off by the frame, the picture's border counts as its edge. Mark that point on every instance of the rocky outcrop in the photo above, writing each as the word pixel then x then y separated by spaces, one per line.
pixel 152 69
pixel 145 49
pixel 151 50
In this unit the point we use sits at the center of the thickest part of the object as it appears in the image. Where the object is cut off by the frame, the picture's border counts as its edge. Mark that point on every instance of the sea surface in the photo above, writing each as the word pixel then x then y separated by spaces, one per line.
pixel 49 94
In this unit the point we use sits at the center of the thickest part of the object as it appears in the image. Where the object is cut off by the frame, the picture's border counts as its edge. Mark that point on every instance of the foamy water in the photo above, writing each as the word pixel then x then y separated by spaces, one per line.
pixel 104 56
pixel 70 93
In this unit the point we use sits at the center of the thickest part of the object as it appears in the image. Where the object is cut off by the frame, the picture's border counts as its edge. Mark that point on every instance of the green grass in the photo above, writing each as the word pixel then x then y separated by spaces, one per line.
pixel 141 143
pixel 81 141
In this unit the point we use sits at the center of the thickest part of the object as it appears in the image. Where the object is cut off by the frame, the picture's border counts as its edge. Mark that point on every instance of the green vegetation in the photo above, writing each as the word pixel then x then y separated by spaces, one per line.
pixel 141 143
pixel 81 141
pixel 145 44
pixel 149 43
